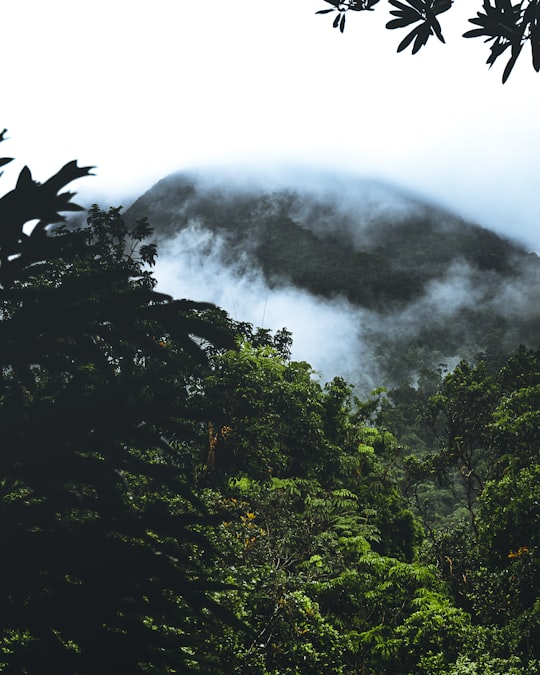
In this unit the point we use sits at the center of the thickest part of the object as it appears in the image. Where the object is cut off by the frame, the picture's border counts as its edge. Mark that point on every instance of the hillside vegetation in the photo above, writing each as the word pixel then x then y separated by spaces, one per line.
pixel 179 495
pixel 437 289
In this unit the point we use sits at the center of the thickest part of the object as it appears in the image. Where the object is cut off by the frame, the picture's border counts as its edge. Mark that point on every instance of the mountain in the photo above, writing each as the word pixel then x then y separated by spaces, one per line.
pixel 417 285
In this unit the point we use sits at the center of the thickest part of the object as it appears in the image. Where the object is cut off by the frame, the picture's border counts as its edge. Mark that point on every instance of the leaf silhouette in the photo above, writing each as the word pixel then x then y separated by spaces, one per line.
pixel 423 11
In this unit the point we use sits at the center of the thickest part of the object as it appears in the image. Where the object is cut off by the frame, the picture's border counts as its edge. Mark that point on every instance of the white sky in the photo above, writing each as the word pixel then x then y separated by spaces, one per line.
pixel 141 89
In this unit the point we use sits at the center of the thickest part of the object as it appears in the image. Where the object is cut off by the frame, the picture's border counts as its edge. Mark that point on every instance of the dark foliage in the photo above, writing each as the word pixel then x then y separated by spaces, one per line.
pixel 103 566
pixel 509 26
pixel 389 265
pixel 174 502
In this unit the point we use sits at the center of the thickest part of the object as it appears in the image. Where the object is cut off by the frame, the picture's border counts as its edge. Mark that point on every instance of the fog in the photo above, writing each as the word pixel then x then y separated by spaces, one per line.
pixel 335 336
pixel 146 90
pixel 327 334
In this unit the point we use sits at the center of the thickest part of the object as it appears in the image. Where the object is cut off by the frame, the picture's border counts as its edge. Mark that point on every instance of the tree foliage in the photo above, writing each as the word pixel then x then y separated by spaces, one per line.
pixel 476 489
pixel 507 25
pixel 102 565
pixel 178 495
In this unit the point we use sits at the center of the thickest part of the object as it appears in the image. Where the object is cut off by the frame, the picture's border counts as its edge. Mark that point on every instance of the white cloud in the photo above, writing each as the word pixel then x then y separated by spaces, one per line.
pixel 326 333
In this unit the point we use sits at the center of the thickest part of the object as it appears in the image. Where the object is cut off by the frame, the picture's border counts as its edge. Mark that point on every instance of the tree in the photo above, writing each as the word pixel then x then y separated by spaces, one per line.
pixel 271 415
pixel 104 564
pixel 505 587
pixel 486 425
pixel 506 25
pixel 314 506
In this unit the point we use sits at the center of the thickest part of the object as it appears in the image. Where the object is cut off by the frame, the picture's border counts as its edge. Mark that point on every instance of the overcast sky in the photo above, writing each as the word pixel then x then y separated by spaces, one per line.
pixel 141 89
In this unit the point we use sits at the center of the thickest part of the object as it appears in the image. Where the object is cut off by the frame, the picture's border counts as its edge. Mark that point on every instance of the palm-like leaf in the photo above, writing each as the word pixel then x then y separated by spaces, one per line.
pixel 343 7
pixel 508 26
pixel 423 12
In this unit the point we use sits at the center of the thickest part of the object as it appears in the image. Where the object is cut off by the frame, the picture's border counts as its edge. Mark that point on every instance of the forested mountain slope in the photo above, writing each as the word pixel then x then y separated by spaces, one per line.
pixel 178 495
pixel 428 287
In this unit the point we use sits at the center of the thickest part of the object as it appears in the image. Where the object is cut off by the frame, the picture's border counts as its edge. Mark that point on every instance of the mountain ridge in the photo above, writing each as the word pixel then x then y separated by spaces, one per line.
pixel 404 261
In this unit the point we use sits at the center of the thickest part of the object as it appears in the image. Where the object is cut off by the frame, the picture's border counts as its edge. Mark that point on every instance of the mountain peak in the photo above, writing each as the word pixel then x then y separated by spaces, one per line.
pixel 423 285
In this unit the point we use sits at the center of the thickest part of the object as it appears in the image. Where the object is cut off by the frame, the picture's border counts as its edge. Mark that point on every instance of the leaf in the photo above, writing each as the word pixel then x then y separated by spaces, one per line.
pixel 535 37
pixel 408 39
pixel 68 173
pixel 405 11
pixel 400 23
pixel 424 31
pixel 400 5
pixel 476 32
pixel 512 61
pixel 436 26
pixel 336 21
pixel 418 10
pixel 496 50
pixel 25 179
pixel 535 48
pixel 342 24
pixel 325 11
pixel 410 15
pixel 440 6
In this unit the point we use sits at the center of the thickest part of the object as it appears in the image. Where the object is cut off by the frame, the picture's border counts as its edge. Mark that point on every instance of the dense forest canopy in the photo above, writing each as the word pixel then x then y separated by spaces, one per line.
pixel 177 494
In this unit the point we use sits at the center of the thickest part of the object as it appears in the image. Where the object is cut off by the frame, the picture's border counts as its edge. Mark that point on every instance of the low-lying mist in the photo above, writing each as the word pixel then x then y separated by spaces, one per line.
pixel 333 335
pixel 374 284
pixel 326 333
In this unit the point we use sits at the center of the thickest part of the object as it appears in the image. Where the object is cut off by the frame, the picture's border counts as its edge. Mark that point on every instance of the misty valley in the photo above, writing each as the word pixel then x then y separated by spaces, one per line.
pixel 270 424
pixel 375 285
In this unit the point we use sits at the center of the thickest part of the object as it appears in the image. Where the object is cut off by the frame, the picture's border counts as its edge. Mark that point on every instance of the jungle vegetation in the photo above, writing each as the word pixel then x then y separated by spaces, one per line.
pixel 427 287
pixel 178 495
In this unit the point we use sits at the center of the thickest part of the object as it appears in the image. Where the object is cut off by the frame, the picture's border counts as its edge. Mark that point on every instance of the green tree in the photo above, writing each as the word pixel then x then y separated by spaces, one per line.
pixel 484 422
pixel 272 416
pixel 104 564
pixel 314 500
pixel 486 418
